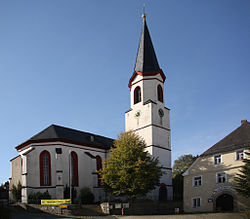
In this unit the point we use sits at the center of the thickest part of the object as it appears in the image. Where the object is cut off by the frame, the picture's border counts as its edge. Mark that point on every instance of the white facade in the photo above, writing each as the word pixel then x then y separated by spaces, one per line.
pixel 153 126
pixel 60 169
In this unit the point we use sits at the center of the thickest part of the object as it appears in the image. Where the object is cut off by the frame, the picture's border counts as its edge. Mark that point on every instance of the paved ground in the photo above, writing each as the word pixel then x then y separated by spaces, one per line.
pixel 190 216
pixel 16 215
pixel 187 216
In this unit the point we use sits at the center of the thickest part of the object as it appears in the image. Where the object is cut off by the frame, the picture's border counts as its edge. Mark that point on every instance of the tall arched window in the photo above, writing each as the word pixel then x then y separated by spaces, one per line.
pixel 45 169
pixel 137 95
pixel 160 93
pixel 99 167
pixel 74 169
pixel 163 194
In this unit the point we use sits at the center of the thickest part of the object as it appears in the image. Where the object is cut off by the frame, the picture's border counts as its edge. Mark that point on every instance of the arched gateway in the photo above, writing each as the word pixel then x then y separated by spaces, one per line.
pixel 225 202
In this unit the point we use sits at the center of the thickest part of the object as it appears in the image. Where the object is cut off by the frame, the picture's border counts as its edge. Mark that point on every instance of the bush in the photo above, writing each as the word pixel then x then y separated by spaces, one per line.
pixel 86 196
pixel 35 198
pixel 16 192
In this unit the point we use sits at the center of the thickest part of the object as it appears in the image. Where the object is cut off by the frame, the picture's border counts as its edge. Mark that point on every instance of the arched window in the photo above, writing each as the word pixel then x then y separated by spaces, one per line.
pixel 163 194
pixel 137 95
pixel 74 169
pixel 160 93
pixel 45 169
pixel 99 167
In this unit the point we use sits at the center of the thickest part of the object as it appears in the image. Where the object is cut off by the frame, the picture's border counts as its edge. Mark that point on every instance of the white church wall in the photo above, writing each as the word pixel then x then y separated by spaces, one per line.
pixel 59 162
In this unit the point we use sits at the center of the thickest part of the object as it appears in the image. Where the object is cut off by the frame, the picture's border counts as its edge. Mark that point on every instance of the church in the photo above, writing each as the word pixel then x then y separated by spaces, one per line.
pixel 59 156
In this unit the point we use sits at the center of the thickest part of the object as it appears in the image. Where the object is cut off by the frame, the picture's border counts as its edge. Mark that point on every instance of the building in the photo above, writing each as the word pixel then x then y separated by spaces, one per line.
pixel 148 115
pixel 209 181
pixel 58 156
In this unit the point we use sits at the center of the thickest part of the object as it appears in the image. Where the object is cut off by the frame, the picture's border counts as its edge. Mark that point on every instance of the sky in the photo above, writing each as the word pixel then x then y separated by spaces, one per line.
pixel 68 62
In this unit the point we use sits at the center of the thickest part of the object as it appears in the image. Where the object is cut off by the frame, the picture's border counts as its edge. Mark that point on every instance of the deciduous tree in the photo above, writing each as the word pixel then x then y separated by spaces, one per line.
pixel 130 170
pixel 180 166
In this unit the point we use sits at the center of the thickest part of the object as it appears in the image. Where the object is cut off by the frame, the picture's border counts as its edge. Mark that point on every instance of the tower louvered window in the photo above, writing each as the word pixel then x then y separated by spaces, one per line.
pixel 160 93
pixel 137 95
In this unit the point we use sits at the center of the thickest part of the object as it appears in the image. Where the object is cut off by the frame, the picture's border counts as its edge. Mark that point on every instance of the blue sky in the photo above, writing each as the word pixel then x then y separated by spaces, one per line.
pixel 68 62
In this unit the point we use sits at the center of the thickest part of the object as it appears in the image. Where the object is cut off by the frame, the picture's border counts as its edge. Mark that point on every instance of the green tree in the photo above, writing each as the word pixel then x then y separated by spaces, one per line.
pixel 16 192
pixel 130 170
pixel 242 179
pixel 180 166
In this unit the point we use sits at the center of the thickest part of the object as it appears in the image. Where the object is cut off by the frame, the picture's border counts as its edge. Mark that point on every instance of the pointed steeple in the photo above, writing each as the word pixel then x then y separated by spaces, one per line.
pixel 146 61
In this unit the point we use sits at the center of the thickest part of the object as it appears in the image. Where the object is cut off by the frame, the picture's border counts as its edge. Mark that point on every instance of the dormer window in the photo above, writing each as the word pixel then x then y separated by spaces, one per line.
pixel 137 95
pixel 160 93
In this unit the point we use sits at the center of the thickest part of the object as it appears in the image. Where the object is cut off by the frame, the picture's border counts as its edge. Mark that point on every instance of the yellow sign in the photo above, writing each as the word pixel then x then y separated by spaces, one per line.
pixel 56 202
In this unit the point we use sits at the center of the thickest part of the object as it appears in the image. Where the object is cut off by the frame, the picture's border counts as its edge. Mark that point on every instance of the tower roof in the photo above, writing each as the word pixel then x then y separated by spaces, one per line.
pixel 146 61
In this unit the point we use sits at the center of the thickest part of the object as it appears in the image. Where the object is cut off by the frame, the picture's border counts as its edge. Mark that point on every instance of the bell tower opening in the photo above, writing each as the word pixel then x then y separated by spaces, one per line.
pixel 137 95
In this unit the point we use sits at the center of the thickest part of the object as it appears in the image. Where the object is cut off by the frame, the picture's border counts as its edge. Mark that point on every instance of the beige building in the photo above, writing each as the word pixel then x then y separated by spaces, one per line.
pixel 209 181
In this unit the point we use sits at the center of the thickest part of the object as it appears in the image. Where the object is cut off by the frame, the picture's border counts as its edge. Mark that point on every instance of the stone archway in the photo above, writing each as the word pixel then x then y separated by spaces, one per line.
pixel 163 194
pixel 224 202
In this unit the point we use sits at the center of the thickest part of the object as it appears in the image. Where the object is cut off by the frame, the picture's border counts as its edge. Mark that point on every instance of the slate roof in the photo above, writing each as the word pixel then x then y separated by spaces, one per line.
pixel 55 132
pixel 237 139
pixel 146 61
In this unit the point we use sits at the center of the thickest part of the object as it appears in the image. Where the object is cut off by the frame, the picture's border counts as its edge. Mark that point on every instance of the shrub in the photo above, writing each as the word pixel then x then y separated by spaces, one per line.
pixel 86 196
pixel 16 192
pixel 35 198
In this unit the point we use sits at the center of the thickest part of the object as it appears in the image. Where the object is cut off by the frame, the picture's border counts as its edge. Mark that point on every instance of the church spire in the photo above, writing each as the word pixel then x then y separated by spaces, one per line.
pixel 146 61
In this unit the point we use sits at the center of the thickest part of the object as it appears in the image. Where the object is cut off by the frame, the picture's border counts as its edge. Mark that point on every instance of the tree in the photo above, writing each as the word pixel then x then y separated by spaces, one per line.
pixel 130 170
pixel 180 166
pixel 242 179
pixel 16 192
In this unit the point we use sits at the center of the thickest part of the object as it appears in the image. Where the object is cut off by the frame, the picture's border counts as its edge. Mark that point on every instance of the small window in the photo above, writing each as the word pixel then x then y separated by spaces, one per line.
pixel 217 159
pixel 197 181
pixel 137 95
pixel 196 202
pixel 240 155
pixel 160 93
pixel 221 177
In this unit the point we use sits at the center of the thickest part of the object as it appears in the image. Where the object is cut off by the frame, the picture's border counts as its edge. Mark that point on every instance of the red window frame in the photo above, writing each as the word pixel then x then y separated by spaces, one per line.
pixel 160 93
pixel 42 170
pixel 99 167
pixel 137 95
pixel 74 168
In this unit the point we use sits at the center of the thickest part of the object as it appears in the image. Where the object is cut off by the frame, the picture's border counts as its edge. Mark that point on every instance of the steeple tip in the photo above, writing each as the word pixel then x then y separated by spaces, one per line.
pixel 144 16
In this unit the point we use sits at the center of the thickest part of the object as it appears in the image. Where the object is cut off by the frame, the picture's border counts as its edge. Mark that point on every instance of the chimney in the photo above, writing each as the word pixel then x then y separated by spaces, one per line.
pixel 243 122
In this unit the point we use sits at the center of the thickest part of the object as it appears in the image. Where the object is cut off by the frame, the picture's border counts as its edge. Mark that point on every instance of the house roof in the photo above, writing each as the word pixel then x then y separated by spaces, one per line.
pixel 146 61
pixel 237 139
pixel 55 132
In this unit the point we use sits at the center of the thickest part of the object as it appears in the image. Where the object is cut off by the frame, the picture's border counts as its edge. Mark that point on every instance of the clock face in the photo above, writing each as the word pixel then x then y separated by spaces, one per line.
pixel 138 114
pixel 161 112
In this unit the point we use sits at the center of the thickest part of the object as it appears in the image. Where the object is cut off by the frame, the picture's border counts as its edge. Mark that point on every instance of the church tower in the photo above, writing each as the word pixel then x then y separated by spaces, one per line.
pixel 148 116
